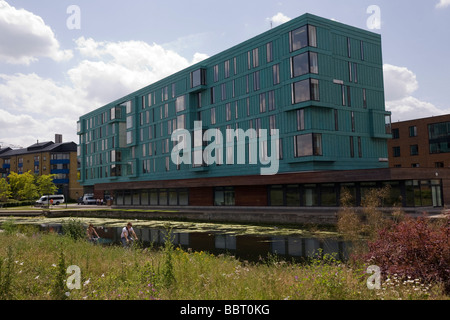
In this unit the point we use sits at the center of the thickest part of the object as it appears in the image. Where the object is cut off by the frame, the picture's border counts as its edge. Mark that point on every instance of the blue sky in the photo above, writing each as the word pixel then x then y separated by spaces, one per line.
pixel 51 74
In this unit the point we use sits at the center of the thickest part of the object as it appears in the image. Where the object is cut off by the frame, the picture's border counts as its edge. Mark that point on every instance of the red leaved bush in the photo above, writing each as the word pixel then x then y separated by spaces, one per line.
pixel 415 248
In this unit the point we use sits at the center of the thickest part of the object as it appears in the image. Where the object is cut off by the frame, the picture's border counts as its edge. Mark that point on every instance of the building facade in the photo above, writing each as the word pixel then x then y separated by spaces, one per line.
pixel 44 158
pixel 254 121
pixel 420 143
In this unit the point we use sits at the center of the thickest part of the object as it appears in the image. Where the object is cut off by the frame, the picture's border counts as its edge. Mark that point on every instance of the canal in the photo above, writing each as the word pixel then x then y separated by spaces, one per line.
pixel 246 242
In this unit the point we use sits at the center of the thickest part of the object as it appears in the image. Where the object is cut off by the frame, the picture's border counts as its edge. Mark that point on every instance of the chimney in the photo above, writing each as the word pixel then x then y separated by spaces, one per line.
pixel 58 138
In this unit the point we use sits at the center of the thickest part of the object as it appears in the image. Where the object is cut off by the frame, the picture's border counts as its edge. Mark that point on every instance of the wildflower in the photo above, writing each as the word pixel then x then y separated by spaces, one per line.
pixel 87 282
pixel 37 277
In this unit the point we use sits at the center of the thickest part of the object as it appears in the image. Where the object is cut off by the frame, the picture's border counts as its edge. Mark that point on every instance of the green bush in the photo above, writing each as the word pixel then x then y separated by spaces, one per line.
pixel 74 229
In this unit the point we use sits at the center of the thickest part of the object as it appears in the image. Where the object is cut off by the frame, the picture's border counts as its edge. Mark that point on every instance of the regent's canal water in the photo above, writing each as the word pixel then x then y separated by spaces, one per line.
pixel 242 241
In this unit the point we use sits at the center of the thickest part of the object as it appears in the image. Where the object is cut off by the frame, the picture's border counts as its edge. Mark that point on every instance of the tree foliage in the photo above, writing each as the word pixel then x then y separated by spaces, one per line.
pixel 26 186
pixel 5 192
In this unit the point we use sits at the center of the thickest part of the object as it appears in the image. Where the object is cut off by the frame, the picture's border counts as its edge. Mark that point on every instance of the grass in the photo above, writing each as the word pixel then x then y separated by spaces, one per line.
pixel 33 263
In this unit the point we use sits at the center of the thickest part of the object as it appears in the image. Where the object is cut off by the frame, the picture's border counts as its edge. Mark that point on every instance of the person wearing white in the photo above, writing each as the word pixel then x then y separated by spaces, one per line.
pixel 128 234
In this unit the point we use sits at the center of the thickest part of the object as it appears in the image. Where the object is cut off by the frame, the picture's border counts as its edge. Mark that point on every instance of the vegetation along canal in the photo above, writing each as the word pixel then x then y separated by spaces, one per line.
pixel 247 242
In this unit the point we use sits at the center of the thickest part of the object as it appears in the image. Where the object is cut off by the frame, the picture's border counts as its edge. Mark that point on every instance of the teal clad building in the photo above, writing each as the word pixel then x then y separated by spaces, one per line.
pixel 318 82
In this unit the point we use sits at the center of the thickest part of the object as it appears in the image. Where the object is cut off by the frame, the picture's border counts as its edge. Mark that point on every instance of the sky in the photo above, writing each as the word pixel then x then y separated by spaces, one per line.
pixel 62 59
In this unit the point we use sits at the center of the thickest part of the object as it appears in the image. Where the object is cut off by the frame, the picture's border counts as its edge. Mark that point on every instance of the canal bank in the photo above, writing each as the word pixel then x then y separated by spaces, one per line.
pixel 272 215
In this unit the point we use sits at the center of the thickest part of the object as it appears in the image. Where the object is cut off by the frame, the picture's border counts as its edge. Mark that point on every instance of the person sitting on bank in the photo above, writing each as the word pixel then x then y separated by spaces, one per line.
pixel 92 234
pixel 128 234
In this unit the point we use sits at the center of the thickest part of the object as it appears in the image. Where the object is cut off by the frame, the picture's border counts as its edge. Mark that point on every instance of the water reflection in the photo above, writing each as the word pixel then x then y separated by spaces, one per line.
pixel 248 247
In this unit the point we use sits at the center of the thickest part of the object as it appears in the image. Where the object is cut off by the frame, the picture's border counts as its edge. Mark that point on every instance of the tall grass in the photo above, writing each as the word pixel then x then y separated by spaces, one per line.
pixel 33 268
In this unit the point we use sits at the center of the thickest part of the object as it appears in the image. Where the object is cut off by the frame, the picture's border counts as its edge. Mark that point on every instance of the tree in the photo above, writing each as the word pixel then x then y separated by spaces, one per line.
pixel 23 186
pixel 5 192
pixel 45 184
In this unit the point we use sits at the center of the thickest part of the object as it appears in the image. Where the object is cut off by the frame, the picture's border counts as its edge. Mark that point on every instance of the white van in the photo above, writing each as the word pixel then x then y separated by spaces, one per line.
pixel 57 199
pixel 88 198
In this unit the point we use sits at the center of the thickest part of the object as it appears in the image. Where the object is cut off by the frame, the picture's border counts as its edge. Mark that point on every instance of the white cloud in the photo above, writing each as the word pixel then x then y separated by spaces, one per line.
pixel 400 84
pixel 443 4
pixel 25 37
pixel 32 106
pixel 114 69
pixel 278 19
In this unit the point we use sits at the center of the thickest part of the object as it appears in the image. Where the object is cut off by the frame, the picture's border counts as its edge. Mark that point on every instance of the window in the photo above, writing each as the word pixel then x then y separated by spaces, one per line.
pixel 127 107
pixel 395 133
pixel 129 137
pixel 343 90
pixel 180 104
pixel 300 120
pixel 213 95
pixel 361 45
pixel 438 164
pixel 414 150
pixel 213 115
pixel 364 99
pixel 271 100
pixel 359 147
pixel 165 93
pixel 308 145
pixel 352 148
pixel 439 137
pixel 181 121
pixel 262 102
pixel 256 81
pixel 255 54
pixel 227 68
pixel 396 152
pixel 349 47
pixel 224 196
pixel 302 37
pixel 129 122
pixel 315 90
pixel 216 73
pixel 312 33
pixel 269 52
pixel 223 90
pixel 388 124
pixel 198 78
pixel 167 163
pixel 353 121
pixel 413 131
pixel 305 90
pixel 304 63
pixel 336 120
pixel 272 123
pixel 276 74
pixel 228 111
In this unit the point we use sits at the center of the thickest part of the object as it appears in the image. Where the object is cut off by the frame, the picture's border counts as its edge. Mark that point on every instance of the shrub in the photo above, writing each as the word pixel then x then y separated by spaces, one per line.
pixel 74 229
pixel 413 248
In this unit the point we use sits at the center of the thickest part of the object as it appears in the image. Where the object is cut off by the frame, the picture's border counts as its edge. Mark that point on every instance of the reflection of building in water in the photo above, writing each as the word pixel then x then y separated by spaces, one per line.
pixel 308 247
pixel 247 246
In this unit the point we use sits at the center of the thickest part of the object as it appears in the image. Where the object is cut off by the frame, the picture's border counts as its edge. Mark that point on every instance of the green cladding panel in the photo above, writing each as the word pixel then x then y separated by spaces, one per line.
pixel 317 81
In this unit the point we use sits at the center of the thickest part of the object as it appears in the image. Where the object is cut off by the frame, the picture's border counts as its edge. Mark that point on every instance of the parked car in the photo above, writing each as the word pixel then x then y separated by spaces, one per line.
pixel 45 200
pixel 89 199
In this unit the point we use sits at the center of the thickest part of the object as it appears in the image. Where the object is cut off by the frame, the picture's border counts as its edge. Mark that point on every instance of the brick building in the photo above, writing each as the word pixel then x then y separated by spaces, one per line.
pixel 43 158
pixel 420 143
